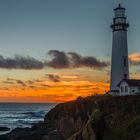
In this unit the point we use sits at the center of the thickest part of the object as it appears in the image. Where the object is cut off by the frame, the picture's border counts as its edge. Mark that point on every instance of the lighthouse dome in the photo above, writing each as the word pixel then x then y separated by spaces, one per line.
pixel 119 11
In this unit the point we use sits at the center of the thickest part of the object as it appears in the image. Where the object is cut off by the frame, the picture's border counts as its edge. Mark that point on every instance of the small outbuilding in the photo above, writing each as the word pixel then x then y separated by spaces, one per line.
pixel 129 87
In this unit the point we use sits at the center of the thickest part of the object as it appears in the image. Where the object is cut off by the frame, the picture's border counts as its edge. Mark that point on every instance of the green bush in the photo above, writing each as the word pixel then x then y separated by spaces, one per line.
pixel 95 116
pixel 125 132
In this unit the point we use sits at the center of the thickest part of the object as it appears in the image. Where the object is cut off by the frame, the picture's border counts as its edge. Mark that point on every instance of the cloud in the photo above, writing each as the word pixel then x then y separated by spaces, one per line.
pixel 73 60
pixel 33 87
pixel 134 58
pixel 44 85
pixel 5 88
pixel 54 78
pixel 8 82
pixel 70 77
pixel 20 62
pixel 59 60
pixel 88 61
pixel 11 80
pixel 30 82
pixel 21 83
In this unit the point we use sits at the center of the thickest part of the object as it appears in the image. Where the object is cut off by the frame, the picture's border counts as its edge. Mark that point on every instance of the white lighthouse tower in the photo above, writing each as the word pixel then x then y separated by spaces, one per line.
pixel 119 67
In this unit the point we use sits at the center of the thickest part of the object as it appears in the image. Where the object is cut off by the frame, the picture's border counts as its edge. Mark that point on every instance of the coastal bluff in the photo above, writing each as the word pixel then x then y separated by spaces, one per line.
pixel 91 118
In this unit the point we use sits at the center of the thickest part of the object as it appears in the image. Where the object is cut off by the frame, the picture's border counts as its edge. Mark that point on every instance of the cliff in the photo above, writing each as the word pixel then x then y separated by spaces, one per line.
pixel 91 118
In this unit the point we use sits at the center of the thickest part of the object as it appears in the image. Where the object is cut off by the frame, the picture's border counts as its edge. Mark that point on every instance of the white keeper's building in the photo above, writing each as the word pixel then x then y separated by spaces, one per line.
pixel 129 87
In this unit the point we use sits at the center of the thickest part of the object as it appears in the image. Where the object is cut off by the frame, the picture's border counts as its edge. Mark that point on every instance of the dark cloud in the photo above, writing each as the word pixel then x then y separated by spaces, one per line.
pixel 30 82
pixel 59 60
pixel 54 78
pixel 20 62
pixel 11 80
pixel 44 85
pixel 38 80
pixel 5 88
pixel 8 82
pixel 73 60
pixel 88 61
pixel 33 87
pixel 21 83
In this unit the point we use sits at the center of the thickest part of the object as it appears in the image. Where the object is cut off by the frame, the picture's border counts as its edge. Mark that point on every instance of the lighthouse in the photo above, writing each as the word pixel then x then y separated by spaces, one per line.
pixel 119 64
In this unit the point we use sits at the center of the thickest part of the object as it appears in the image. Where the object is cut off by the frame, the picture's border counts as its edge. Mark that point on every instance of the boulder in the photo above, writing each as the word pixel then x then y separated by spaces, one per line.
pixel 3 137
pixel 88 132
pixel 4 128
pixel 53 135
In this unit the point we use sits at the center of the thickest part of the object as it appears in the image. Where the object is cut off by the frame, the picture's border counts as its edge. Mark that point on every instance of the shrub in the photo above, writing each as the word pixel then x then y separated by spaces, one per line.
pixel 95 116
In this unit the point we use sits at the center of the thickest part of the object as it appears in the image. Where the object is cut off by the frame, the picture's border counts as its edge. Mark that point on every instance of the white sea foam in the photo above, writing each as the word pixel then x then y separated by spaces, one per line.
pixel 22 115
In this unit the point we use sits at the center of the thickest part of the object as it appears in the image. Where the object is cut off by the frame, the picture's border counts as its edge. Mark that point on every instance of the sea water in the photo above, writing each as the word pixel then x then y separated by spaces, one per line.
pixel 13 115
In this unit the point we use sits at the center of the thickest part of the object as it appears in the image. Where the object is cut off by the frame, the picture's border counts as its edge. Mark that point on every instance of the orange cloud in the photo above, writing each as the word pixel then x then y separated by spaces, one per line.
pixel 134 57
pixel 38 87
pixel 59 92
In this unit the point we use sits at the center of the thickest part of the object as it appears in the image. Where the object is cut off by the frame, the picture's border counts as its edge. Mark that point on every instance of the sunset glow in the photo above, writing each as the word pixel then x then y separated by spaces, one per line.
pixel 44 89
pixel 135 57
pixel 55 51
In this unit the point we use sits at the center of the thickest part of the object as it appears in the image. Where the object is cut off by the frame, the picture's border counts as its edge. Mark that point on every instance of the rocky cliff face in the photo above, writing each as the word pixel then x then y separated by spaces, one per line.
pixel 101 117
pixel 91 118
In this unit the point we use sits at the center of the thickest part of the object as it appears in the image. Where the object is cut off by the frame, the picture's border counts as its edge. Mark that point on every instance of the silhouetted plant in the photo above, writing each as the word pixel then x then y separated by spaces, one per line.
pixel 95 116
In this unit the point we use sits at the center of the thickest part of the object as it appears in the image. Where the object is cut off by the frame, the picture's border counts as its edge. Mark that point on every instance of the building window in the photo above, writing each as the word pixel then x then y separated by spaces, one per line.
pixel 121 88
pixel 124 61
pixel 126 89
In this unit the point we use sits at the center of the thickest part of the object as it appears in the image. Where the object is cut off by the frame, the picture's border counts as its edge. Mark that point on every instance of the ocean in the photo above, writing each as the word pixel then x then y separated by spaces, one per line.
pixel 22 115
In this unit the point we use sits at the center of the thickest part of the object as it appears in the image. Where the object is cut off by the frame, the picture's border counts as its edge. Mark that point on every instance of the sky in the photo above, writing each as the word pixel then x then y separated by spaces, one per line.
pixel 57 50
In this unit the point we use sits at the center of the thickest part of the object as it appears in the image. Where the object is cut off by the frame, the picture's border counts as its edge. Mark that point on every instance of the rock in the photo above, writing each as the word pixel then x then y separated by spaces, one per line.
pixel 68 126
pixel 90 118
pixel 76 136
pixel 19 134
pixel 79 99
pixel 137 138
pixel 88 133
pixel 4 128
pixel 27 134
pixel 54 135
pixel 3 137
pixel 46 137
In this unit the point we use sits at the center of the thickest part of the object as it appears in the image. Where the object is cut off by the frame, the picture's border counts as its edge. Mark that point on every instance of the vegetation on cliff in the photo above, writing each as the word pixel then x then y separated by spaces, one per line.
pixel 111 118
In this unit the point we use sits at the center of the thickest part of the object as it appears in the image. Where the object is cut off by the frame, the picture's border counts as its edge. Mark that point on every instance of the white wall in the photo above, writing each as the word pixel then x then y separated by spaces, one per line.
pixel 134 90
pixel 119 51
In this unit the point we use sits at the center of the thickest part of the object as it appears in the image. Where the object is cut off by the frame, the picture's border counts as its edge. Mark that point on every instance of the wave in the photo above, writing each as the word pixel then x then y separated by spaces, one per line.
pixel 27 122
pixel 22 115
pixel 38 114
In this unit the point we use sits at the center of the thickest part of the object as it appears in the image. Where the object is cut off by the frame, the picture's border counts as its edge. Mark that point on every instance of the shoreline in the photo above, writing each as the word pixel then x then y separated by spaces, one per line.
pixel 90 118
